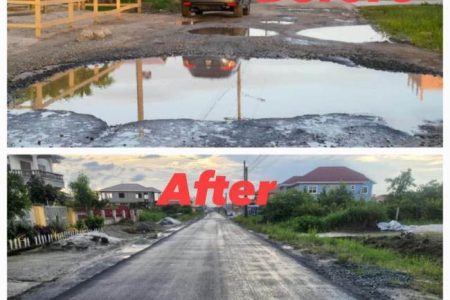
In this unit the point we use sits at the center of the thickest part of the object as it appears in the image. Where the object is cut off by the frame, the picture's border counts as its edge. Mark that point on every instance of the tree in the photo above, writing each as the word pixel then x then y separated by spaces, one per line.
pixel 18 196
pixel 83 195
pixel 42 193
pixel 336 198
pixel 401 184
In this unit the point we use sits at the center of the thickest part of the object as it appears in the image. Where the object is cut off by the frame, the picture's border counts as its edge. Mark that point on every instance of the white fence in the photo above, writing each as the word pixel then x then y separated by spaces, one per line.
pixel 42 239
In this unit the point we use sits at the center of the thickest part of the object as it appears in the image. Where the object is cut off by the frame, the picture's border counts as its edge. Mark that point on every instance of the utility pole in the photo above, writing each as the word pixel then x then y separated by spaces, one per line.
pixel 245 178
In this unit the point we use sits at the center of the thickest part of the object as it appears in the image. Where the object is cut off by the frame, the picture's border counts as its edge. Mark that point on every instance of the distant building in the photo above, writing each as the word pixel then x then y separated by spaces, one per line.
pixel 324 179
pixel 127 194
pixel 36 165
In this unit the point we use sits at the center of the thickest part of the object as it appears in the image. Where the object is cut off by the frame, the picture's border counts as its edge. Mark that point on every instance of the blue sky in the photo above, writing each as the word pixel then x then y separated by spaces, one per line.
pixel 156 171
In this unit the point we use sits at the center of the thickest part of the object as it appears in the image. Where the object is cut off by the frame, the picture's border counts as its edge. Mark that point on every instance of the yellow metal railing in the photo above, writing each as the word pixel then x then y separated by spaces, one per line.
pixel 38 7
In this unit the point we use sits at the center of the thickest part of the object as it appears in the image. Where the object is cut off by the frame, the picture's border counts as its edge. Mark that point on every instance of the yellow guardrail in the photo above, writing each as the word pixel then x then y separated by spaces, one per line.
pixel 38 8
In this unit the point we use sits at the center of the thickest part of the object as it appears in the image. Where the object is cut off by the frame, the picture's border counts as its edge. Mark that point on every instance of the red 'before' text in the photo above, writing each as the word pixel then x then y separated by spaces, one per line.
pixel 240 193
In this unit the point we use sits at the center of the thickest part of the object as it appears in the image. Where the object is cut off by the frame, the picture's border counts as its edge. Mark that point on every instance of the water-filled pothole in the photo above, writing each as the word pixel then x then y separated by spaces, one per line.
pixel 346 34
pixel 233 31
pixel 277 22
pixel 229 88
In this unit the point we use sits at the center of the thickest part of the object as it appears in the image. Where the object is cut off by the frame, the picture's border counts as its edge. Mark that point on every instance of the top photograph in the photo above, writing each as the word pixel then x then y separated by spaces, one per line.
pixel 225 73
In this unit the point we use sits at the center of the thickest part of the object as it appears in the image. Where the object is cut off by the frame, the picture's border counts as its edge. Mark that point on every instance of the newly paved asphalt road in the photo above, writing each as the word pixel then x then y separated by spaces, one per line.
pixel 211 259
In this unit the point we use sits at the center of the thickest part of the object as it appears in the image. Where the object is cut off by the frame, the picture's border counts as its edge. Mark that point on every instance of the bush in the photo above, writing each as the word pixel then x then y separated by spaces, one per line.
pixel 310 223
pixel 20 230
pixel 94 222
pixel 80 225
pixel 56 225
pixel 283 206
pixel 363 216
pixel 152 215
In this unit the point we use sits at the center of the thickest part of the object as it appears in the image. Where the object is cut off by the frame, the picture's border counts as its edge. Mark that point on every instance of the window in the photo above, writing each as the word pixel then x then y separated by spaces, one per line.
pixel 364 189
pixel 312 189
pixel 122 195
pixel 138 195
pixel 42 168
pixel 352 188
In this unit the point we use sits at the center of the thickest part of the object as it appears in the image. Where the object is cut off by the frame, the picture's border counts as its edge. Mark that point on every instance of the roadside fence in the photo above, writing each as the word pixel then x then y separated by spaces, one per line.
pixel 42 239
pixel 89 10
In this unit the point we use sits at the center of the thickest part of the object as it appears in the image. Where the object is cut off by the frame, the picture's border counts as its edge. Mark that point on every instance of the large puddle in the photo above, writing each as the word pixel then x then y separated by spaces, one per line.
pixel 346 34
pixel 234 31
pixel 219 88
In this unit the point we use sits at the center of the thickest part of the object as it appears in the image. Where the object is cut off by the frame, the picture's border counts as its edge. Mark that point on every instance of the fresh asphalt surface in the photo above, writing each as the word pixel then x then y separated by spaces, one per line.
pixel 211 259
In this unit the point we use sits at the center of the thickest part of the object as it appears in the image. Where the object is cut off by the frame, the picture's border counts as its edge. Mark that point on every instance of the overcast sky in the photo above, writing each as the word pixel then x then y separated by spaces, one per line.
pixel 156 171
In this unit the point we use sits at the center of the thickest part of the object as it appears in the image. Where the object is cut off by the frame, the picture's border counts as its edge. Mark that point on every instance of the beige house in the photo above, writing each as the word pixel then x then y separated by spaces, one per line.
pixel 36 165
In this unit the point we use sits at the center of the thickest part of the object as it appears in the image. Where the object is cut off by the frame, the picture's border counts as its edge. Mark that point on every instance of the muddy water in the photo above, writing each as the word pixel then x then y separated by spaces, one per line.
pixel 217 89
pixel 234 31
pixel 346 34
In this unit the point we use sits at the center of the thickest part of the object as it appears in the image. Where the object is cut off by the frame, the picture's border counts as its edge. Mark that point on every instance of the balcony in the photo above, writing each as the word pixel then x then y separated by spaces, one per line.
pixel 50 178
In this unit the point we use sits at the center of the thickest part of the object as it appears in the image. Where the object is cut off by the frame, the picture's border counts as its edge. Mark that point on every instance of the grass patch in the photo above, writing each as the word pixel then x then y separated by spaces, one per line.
pixel 156 214
pixel 152 215
pixel 426 272
pixel 154 5
pixel 164 5
pixel 187 217
pixel 420 24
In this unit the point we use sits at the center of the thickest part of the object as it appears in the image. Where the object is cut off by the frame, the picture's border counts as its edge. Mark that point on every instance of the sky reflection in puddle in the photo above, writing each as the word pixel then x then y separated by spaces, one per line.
pixel 234 31
pixel 346 34
pixel 218 88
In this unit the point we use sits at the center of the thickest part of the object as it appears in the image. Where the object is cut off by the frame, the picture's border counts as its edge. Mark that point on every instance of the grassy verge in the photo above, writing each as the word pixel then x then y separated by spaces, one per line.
pixel 420 24
pixel 426 272
pixel 156 214
pixel 154 5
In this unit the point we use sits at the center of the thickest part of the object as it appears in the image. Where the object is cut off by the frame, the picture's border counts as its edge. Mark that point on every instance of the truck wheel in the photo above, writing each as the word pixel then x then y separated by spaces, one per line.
pixel 238 10
pixel 185 11
pixel 247 10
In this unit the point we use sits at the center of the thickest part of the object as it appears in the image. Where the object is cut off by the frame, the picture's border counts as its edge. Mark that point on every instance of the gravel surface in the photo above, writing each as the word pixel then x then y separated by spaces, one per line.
pixel 147 35
pixel 55 129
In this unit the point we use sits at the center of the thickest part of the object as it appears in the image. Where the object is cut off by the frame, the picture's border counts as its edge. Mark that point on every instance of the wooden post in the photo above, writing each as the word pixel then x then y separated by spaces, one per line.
pixel 139 10
pixel 118 8
pixel 38 102
pixel 37 18
pixel 239 94
pixel 140 90
pixel 71 81
pixel 95 11
pixel 70 13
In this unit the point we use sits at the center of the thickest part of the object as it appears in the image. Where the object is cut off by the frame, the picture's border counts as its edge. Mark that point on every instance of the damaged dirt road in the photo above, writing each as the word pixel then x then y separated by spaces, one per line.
pixel 266 93
pixel 148 35
pixel 211 259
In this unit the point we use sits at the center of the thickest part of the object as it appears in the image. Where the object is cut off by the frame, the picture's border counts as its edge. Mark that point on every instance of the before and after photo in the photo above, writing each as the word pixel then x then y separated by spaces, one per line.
pixel 224 149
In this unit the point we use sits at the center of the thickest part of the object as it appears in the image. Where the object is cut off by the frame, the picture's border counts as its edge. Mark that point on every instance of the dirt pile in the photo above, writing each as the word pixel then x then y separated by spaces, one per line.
pixel 410 244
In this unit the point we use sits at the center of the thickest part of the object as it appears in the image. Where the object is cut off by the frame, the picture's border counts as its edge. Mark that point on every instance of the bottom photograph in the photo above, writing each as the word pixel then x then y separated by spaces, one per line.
pixel 224 226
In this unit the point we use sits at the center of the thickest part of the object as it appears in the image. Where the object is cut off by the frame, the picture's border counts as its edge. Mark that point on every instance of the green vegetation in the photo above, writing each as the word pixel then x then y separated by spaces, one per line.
pixel 426 272
pixel 154 5
pixel 421 205
pixel 164 5
pixel 41 193
pixel 18 196
pixel 295 217
pixel 333 210
pixel 153 215
pixel 420 24
pixel 84 196
pixel 94 222
pixel 181 213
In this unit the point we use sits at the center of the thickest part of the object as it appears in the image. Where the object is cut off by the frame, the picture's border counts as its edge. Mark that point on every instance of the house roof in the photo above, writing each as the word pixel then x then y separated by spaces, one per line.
pixel 130 187
pixel 328 174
